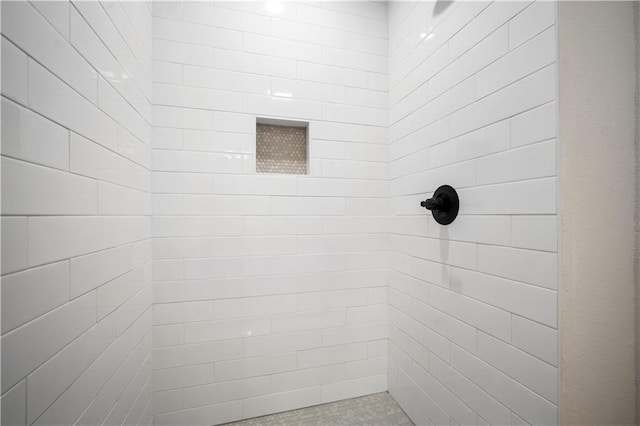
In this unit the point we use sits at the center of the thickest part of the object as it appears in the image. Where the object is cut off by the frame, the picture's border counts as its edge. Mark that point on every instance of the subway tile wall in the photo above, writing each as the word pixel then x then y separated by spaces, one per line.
pixel 274 292
pixel 473 305
pixel 270 291
pixel 76 206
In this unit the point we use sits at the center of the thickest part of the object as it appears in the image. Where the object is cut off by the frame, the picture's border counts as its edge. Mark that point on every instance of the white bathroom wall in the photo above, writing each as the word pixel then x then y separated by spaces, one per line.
pixel 76 226
pixel 473 305
pixel 597 118
pixel 270 290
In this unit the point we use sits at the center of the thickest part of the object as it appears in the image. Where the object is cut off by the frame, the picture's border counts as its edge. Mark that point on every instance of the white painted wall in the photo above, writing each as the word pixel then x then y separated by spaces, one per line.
pixel 76 157
pixel 270 290
pixel 597 80
pixel 473 305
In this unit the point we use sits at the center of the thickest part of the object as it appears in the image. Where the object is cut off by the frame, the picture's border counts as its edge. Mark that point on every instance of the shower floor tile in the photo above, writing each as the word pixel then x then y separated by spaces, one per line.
pixel 375 410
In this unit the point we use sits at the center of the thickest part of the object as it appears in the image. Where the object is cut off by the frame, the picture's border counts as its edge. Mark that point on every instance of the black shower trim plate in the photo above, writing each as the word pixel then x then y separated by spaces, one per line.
pixel 444 205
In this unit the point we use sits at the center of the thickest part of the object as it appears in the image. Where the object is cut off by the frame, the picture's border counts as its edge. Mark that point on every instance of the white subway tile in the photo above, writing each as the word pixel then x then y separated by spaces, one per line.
pixel 54 376
pixel 365 44
pixel 535 18
pixel 535 339
pixel 55 100
pixel 520 62
pixel 226 329
pixel 14 405
pixel 486 229
pixel 282 106
pixel 422 399
pixel 307 378
pixel 331 75
pixel 90 159
pixel 488 140
pixel 378 348
pixel 279 343
pixel 530 162
pixel 31 137
pixel 277 402
pixel 366 314
pixel 472 394
pixel 214 15
pixel 316 34
pixel 281 225
pixel 27 295
pixel 89 45
pixel 192 33
pixel 14 74
pixel 25 27
pixel 52 331
pixel 31 189
pixel 255 184
pixel 14 244
pixel 534 125
pixel 244 307
pixel 510 198
pixel 201 416
pixel 167 401
pixel 532 267
pixel 354 388
pixel 490 18
pixel 537 375
pixel 233 390
pixel 200 353
pixel 533 302
pixel 120 200
pixel 482 316
pixel 331 299
pixel 304 206
pixel 532 91
pixel 455 330
pixel 182 377
pixel 307 320
pixel 166 72
pixel 535 232
pixel 182 53
pixel 168 335
pixel 119 109
pixel 414 337
pixel 517 397
pixel 332 355
pixel 196 97
pixel 251 367
pixel 114 293
pixel 181 183
pixel 173 313
pixel 442 396
pixel 178 117
pixel 474 60
pixel 93 270
pixel 75 399
pixel 354 333
pixel 367 368
pixel 354 60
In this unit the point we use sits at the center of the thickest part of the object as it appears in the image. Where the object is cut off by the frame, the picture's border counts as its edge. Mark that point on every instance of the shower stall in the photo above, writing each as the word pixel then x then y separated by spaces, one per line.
pixel 211 210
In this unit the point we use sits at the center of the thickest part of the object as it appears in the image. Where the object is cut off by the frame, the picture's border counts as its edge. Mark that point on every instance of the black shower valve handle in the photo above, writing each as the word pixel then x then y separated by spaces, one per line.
pixel 433 204
pixel 444 204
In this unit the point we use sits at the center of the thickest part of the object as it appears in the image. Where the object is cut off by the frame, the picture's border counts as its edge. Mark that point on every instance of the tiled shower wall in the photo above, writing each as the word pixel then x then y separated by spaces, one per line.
pixel 76 226
pixel 269 290
pixel 473 306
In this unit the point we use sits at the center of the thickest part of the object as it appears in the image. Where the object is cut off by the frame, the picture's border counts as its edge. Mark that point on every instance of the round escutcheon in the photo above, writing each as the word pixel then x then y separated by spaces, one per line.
pixel 444 205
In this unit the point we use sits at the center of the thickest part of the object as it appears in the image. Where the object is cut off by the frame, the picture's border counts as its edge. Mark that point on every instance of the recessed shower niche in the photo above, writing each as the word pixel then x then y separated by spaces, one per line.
pixel 281 146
